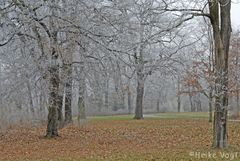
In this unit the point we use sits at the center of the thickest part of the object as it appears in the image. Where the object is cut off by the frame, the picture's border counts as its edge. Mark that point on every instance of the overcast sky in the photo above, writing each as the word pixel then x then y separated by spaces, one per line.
pixel 236 14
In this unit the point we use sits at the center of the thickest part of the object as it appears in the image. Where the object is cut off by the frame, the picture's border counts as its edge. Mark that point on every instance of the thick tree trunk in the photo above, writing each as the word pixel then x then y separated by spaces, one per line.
pixel 140 93
pixel 139 102
pixel 236 79
pixel 60 113
pixel 221 34
pixel 81 102
pixel 81 108
pixel 52 126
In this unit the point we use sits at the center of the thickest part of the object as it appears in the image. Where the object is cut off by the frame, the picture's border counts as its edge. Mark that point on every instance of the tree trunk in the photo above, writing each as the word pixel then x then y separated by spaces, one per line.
pixel 198 103
pixel 178 95
pixel 191 103
pixel 81 102
pixel 129 96
pixel 236 79
pixel 140 93
pixel 81 108
pixel 221 34
pixel 106 102
pixel 30 97
pixel 139 102
pixel 237 111
pixel 99 100
pixel 60 113
pixel 179 103
pixel 129 101
pixel 210 105
pixel 68 95
pixel 43 101
pixel 158 104
pixel 52 126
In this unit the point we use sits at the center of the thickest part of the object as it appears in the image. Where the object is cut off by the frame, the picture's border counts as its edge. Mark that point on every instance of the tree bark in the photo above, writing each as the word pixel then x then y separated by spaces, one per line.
pixel 60 113
pixel 129 101
pixel 210 105
pixel 52 126
pixel 129 96
pixel 68 95
pixel 140 93
pixel 237 81
pixel 190 100
pixel 179 103
pixel 81 102
pixel 221 34
pixel 178 95
pixel 30 97
pixel 237 111
pixel 158 105
pixel 106 94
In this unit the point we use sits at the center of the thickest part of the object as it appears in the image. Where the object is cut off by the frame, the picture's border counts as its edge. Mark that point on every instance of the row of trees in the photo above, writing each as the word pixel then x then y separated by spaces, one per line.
pixel 106 51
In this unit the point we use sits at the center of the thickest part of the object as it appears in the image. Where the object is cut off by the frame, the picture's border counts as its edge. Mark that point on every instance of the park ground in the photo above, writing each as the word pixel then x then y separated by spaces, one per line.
pixel 163 137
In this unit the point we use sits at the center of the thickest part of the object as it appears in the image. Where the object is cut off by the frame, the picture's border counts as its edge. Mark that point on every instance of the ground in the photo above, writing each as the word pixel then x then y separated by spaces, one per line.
pixel 163 137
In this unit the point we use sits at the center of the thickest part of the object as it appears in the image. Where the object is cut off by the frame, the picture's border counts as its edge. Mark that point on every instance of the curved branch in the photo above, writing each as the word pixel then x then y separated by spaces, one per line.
pixel 5 43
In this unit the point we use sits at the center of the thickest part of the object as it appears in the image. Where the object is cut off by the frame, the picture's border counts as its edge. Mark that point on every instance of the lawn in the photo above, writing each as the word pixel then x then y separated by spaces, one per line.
pixel 158 137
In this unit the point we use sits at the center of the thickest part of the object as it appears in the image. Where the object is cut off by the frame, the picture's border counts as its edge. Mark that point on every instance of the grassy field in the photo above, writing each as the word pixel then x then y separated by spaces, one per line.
pixel 163 137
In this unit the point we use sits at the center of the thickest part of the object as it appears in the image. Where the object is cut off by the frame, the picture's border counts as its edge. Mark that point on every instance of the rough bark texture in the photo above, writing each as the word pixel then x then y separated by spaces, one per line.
pixel 140 93
pixel 60 113
pixel 221 34
pixel 236 79
pixel 52 126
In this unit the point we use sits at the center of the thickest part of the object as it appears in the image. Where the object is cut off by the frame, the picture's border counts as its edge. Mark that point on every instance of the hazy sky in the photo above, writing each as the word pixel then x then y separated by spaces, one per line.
pixel 236 14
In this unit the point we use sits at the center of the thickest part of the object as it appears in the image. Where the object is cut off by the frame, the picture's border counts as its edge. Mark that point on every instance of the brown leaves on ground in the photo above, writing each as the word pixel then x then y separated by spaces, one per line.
pixel 149 139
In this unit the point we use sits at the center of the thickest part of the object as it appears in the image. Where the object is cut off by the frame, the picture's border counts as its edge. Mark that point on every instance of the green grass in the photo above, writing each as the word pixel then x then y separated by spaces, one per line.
pixel 172 115
pixel 183 115
pixel 110 118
